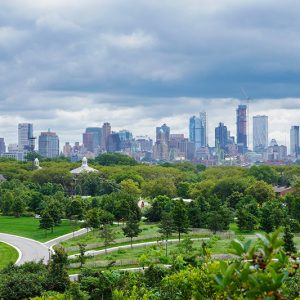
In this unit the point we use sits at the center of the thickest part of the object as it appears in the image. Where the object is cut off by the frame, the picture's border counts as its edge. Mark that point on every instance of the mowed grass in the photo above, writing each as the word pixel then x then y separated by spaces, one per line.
pixel 8 255
pixel 29 227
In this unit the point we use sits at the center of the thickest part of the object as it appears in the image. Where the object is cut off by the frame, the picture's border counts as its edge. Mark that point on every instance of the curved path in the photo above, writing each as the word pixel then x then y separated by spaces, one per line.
pixel 128 246
pixel 30 250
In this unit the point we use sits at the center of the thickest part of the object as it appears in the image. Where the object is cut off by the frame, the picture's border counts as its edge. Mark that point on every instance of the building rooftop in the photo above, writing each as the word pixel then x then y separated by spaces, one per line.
pixel 84 168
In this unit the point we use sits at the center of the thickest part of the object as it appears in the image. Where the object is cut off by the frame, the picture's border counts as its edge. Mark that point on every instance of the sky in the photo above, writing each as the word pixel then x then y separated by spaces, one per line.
pixel 70 64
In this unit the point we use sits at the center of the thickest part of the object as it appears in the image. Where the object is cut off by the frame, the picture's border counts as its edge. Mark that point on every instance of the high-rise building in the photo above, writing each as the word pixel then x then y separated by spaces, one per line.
pixel 2 146
pixel 221 136
pixel 113 142
pixel 106 131
pixel 144 143
pixel 88 141
pixel 125 135
pixel 294 141
pixel 67 150
pixel 25 137
pixel 198 130
pixel 260 133
pixel 97 136
pixel 48 144
pixel 203 129
pixel 163 134
pixel 241 128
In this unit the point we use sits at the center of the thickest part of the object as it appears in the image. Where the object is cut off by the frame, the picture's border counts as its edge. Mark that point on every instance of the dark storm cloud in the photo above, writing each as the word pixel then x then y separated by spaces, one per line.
pixel 149 60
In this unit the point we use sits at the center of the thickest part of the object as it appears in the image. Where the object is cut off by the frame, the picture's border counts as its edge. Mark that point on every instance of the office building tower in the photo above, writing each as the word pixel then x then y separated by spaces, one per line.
pixel 163 133
pixel 2 146
pixel 88 141
pixel 106 131
pixel 241 128
pixel 67 150
pixel 144 143
pixel 49 144
pixel 294 141
pixel 97 136
pixel 198 130
pixel 260 133
pixel 25 137
pixel 113 142
pixel 203 129
pixel 125 135
pixel 221 137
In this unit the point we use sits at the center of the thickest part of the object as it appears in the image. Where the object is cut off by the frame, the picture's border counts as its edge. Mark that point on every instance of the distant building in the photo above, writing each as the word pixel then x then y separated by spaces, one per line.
pixel 294 141
pixel 67 150
pixel 88 141
pixel 198 130
pixel 221 137
pixel 113 142
pixel 49 144
pixel 106 131
pixel 260 133
pixel 97 137
pixel 144 143
pixel 178 147
pixel 2 146
pixel 241 128
pixel 161 147
pixel 125 135
pixel 25 137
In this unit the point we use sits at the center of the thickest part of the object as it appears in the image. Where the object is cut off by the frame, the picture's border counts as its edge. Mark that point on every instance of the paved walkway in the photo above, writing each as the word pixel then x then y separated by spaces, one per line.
pixel 66 237
pixel 29 250
pixel 108 250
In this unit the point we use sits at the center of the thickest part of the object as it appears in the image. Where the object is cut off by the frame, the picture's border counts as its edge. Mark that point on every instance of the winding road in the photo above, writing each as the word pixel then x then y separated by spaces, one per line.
pixel 29 250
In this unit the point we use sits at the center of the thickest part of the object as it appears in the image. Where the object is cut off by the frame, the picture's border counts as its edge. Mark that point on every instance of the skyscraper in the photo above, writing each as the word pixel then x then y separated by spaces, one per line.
pixel 25 137
pixel 221 136
pixel 260 133
pixel 241 128
pixel 49 144
pixel 2 146
pixel 106 131
pixel 97 136
pixel 198 130
pixel 88 141
pixel 294 141
pixel 163 134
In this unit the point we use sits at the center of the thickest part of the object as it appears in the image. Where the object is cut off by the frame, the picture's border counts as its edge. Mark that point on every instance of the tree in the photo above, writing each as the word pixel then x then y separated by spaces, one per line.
pixel 46 221
pixel 265 173
pixel 6 203
pixel 166 228
pixel 130 187
pixel 55 210
pixel 58 278
pixel 180 218
pixel 261 191
pixel 108 235
pixel 92 218
pixel 18 206
pixel 75 209
pixel 82 250
pixel 160 186
pixel 108 159
pixel 246 220
pixel 289 245
pixel 131 229
pixel 159 205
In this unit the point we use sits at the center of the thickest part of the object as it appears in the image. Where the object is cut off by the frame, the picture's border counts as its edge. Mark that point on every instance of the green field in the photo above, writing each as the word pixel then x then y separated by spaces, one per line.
pixel 8 255
pixel 29 227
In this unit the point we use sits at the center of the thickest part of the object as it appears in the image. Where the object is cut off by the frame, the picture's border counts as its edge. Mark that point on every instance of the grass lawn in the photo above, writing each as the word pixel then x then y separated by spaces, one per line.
pixel 7 254
pixel 29 227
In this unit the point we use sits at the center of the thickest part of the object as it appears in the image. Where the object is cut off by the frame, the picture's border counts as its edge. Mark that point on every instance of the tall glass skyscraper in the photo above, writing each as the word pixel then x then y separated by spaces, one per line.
pixel 25 137
pixel 221 136
pixel 198 130
pixel 96 137
pixel 241 128
pixel 260 133
pixel 294 141
pixel 49 144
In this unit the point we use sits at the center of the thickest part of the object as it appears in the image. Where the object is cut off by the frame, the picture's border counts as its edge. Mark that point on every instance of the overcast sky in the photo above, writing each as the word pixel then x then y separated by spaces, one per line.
pixel 70 64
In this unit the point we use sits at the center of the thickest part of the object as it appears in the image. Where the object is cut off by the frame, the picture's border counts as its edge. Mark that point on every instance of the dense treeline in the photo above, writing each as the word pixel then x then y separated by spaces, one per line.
pixel 220 194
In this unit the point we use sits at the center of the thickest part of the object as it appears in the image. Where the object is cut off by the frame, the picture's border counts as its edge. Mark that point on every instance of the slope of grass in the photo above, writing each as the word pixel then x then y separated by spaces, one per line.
pixel 29 227
pixel 8 255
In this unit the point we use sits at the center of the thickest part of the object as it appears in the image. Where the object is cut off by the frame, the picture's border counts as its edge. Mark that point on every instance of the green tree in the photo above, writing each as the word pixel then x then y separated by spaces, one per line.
pixel 108 235
pixel 57 276
pixel 108 159
pixel 132 229
pixel 75 209
pixel 265 173
pixel 161 186
pixel 7 203
pixel 166 227
pixel 261 191
pixel 130 187
pixel 92 218
pixel 46 221
pixel 246 220
pixel 18 206
pixel 82 257
pixel 180 218
pixel 289 245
